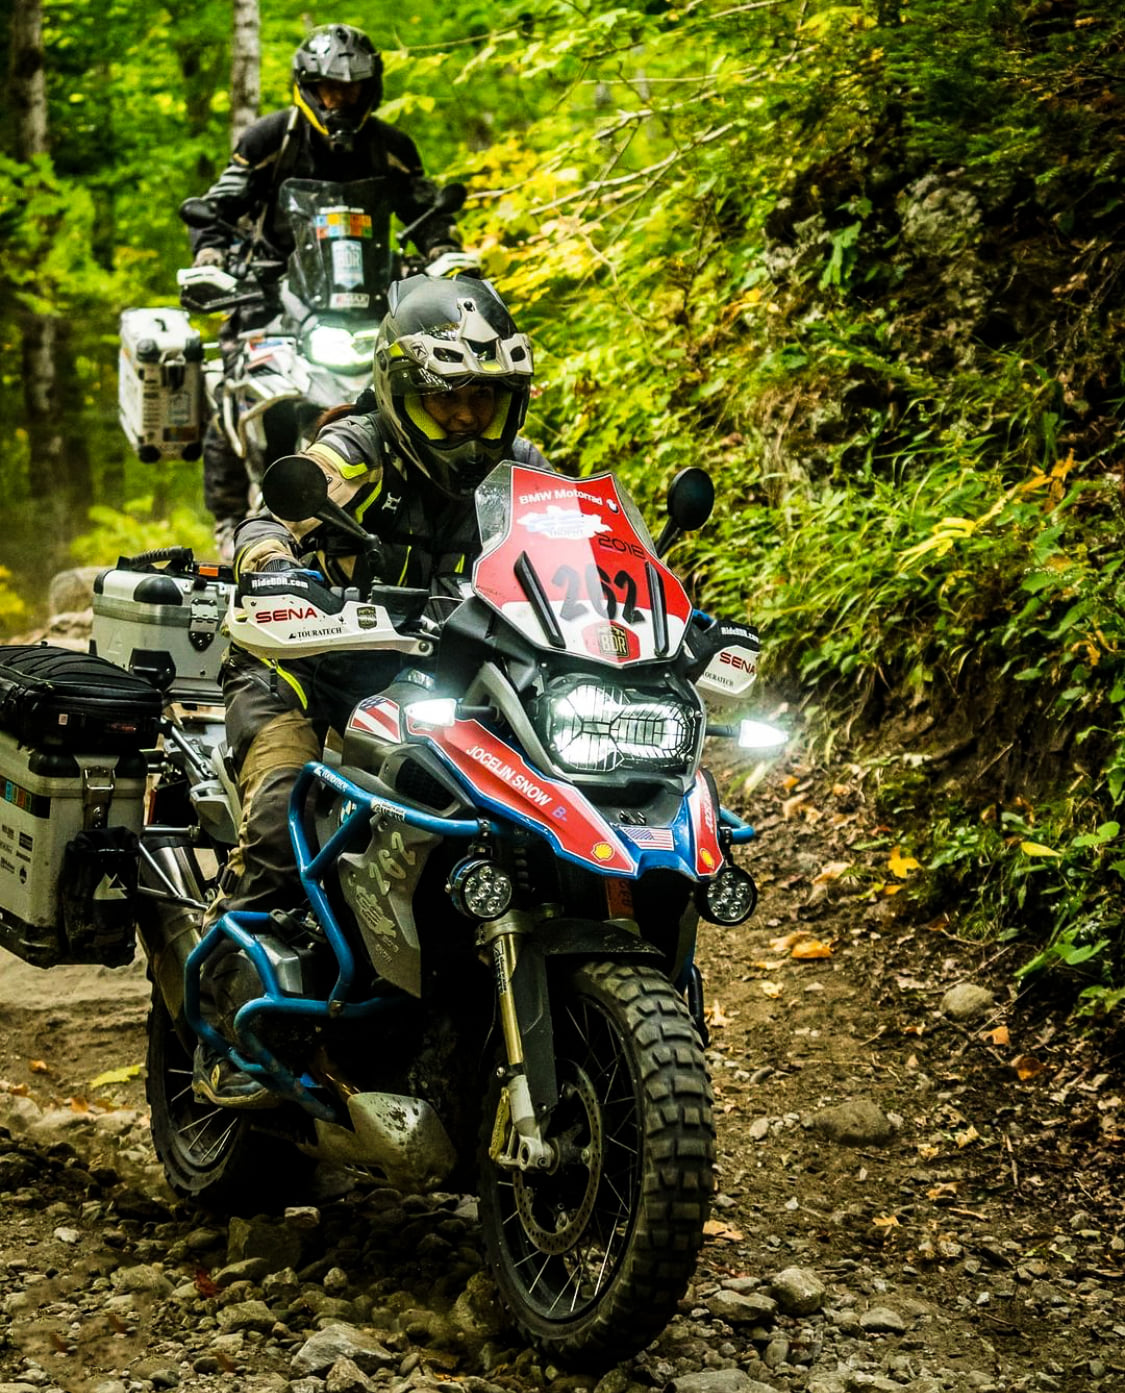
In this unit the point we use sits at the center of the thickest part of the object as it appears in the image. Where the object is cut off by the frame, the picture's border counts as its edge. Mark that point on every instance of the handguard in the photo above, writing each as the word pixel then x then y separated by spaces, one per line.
pixel 724 657
pixel 291 614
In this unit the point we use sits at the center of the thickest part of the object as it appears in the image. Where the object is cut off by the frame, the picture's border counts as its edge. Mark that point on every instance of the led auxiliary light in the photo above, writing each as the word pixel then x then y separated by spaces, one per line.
pixel 758 735
pixel 436 711
pixel 479 888
pixel 751 735
pixel 729 898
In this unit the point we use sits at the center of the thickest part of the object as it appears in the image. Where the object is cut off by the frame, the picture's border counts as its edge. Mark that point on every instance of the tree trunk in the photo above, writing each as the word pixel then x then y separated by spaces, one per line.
pixel 27 87
pixel 245 68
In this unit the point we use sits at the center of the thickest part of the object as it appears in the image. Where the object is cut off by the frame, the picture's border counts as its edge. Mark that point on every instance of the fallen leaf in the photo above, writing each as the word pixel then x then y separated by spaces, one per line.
pixel 800 944
pixel 999 1036
pixel 790 782
pixel 771 989
pixel 970 1134
pixel 833 871
pixel 715 1016
pixel 914 1029
pixel 790 807
pixel 715 1228
pixel 811 948
pixel 1038 849
pixel 766 965
pixel 205 1284
pixel 926 1152
pixel 886 1221
pixel 123 1075
pixel 891 889
pixel 902 865
pixel 39 1066
pixel 947 1190
pixel 1027 1066
pixel 78 1104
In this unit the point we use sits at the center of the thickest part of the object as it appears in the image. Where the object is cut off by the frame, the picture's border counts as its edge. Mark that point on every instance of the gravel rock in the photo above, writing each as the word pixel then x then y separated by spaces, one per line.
pixel 276 1243
pixel 247 1315
pixel 719 1381
pixel 859 1122
pixel 966 1001
pixel 150 1281
pixel 318 1354
pixel 798 1291
pixel 880 1319
pixel 741 1310
pixel 345 1376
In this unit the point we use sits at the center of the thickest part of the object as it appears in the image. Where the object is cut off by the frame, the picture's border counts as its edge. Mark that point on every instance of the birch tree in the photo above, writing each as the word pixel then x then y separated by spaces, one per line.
pixel 39 329
pixel 245 67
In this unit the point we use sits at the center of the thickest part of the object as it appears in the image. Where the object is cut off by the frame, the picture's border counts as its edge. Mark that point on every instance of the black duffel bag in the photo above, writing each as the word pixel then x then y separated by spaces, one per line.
pixel 52 698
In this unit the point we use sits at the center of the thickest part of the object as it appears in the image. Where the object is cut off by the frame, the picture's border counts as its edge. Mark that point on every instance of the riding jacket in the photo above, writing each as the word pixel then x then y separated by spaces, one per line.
pixel 429 539
pixel 284 146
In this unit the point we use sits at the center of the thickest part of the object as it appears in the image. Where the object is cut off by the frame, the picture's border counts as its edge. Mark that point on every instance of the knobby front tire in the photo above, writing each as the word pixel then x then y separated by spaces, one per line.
pixel 592 1256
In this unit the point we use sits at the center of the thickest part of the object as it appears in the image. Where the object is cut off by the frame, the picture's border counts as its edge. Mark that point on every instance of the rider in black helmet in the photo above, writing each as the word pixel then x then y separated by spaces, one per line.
pixel 329 133
pixel 337 82
pixel 452 382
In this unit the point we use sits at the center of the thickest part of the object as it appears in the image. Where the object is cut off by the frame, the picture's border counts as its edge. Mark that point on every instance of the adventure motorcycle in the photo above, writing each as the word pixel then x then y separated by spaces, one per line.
pixel 491 985
pixel 303 329
pixel 494 979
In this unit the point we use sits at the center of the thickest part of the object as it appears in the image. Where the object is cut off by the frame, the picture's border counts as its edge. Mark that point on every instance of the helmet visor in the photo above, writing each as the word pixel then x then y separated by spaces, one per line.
pixel 429 423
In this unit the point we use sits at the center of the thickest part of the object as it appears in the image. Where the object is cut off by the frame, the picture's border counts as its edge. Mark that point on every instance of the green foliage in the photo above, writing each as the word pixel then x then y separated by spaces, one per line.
pixel 137 528
pixel 860 261
pixel 13 611
pixel 1014 875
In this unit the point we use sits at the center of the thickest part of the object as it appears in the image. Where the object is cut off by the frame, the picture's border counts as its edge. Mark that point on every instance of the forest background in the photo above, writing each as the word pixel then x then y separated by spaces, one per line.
pixel 862 262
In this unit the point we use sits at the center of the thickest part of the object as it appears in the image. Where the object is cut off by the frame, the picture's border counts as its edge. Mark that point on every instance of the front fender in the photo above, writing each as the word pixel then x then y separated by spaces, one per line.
pixel 590 938
pixel 560 939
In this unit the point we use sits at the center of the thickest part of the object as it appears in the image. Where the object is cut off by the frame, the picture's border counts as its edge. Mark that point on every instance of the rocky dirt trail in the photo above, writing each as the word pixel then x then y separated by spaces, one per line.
pixel 919 1186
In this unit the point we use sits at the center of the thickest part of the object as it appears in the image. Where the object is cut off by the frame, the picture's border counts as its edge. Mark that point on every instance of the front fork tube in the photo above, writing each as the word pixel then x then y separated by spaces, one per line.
pixel 521 993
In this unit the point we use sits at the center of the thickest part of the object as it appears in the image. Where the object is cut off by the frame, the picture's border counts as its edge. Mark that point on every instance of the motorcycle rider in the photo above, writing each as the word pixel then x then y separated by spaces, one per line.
pixel 329 133
pixel 452 379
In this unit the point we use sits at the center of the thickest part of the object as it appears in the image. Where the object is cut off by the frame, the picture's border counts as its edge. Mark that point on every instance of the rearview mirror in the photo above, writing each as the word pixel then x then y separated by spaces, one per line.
pixel 198 213
pixel 294 488
pixel 691 497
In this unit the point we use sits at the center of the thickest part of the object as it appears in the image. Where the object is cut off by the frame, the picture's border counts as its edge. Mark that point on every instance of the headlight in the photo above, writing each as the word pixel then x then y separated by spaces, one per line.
pixel 339 349
pixel 591 728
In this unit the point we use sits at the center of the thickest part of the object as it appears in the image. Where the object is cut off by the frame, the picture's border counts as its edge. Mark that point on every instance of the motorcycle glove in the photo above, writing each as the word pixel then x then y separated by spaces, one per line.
pixel 446 261
pixel 292 584
pixel 707 636
pixel 209 256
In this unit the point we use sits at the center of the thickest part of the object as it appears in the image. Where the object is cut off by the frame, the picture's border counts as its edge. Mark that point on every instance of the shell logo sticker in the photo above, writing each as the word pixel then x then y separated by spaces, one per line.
pixel 706 857
pixel 602 851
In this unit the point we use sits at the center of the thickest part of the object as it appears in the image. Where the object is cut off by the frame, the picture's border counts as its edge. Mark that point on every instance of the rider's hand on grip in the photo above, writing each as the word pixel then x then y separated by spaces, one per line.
pixel 707 636
pixel 445 262
pixel 295 584
pixel 209 256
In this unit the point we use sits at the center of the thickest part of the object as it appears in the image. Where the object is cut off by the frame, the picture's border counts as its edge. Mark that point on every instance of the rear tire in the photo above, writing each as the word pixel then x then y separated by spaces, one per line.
pixel 592 1257
pixel 216 1157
